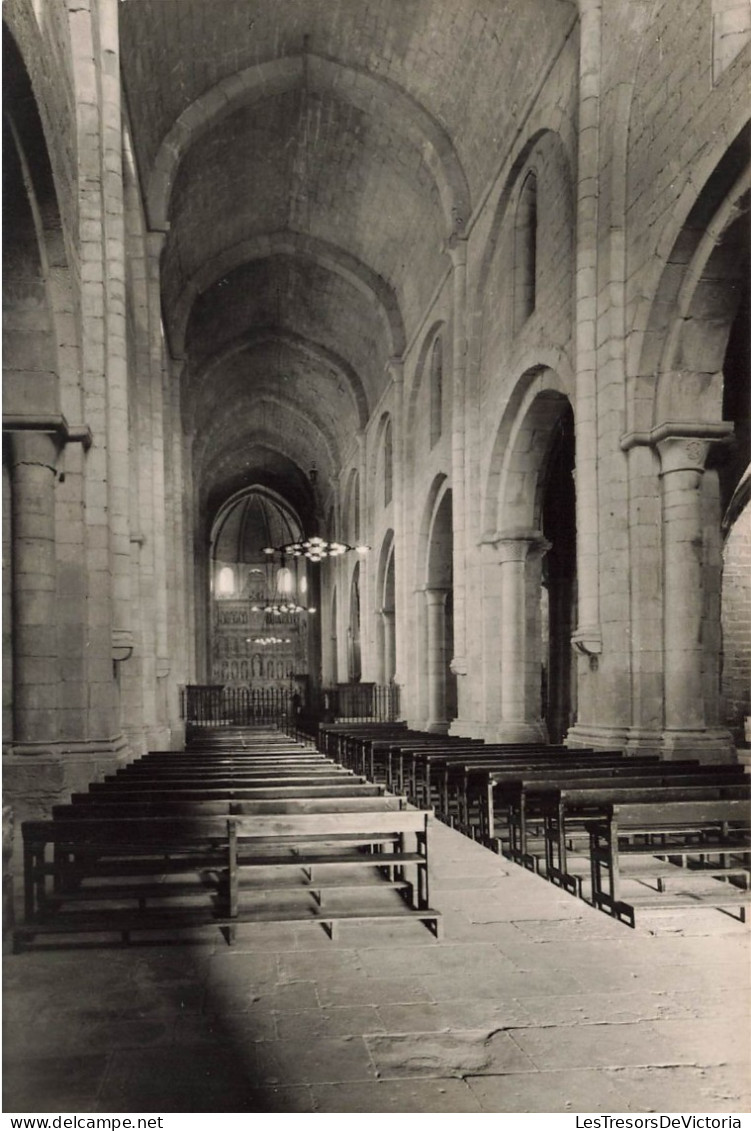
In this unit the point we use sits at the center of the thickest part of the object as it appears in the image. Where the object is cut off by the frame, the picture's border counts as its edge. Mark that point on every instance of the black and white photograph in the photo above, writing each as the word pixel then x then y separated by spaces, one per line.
pixel 376 561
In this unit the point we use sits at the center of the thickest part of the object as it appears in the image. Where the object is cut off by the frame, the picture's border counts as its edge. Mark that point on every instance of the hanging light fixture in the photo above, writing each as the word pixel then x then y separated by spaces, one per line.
pixel 315 549
pixel 280 598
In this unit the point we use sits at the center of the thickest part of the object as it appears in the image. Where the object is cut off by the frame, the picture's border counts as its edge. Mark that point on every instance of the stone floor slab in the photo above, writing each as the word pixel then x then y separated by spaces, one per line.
pixel 608 1046
pixel 313 1024
pixel 462 1052
pixel 683 1089
pixel 176 1080
pixel 52 1083
pixel 577 1091
pixel 370 991
pixel 446 960
pixel 325 1060
pixel 604 1008
pixel 456 1014
pixel 403 1096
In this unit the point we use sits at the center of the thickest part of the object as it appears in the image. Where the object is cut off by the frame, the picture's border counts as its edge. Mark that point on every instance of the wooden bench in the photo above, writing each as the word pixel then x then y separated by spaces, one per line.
pixel 88 807
pixel 530 799
pixel 333 736
pixel 477 785
pixel 688 829
pixel 387 834
pixel 567 811
pixel 396 755
pixel 418 765
pixel 140 794
pixel 464 781
pixel 229 780
pixel 312 846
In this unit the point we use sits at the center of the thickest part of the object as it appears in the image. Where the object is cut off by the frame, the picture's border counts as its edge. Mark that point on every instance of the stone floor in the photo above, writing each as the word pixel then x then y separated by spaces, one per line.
pixel 532 1002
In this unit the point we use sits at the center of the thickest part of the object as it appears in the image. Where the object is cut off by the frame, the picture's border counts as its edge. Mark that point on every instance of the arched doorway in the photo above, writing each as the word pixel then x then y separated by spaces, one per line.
pixel 354 661
pixel 334 641
pixel 386 611
pixel 529 573
pixel 439 611
pixel 735 492
pixel 558 596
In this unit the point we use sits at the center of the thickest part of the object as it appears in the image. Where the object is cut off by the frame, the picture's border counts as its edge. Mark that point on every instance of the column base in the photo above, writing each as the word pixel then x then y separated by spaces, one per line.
pixel 711 745
pixel 37 776
pixel 517 730
pixel 598 737
pixel 468 728
pixel 437 726
pixel 497 731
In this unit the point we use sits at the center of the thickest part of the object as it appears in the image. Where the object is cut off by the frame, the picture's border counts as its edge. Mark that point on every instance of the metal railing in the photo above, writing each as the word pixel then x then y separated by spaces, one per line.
pixel 217 705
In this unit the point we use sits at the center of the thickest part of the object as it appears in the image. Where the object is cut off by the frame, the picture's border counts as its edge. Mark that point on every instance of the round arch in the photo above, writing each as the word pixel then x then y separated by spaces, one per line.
pixel 361 88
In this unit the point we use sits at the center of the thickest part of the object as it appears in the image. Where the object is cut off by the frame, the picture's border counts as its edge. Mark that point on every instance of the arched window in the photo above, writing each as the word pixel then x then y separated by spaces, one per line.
pixel 284 581
pixel 388 465
pixel 525 252
pixel 225 583
pixel 436 392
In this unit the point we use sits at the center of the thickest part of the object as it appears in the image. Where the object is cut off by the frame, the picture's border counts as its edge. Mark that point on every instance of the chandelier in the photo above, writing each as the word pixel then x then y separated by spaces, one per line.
pixel 264 641
pixel 315 549
pixel 279 607
pixel 281 594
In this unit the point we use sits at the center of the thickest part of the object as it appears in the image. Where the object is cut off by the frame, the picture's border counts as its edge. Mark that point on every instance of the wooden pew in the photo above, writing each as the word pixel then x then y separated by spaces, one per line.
pixel 141 792
pixel 418 764
pixel 688 829
pixel 331 736
pixel 397 755
pixel 219 781
pixel 91 808
pixel 476 783
pixel 530 799
pixel 456 773
pixel 388 833
pixel 303 842
pixel 566 812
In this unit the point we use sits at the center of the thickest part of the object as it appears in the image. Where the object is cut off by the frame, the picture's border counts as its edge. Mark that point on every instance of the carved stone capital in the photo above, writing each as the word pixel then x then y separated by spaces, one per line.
pixel 516 544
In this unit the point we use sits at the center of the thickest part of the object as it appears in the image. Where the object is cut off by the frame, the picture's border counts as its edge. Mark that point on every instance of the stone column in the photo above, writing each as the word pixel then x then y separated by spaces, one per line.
pixel 683 450
pixel 682 467
pixel 379 647
pixel 35 660
pixel 458 253
pixel 435 600
pixel 399 662
pixel 389 644
pixel 588 636
pixel 514 549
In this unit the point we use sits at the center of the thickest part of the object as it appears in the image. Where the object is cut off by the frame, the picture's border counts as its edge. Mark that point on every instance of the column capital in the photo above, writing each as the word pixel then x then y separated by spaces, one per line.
pixel 515 544
pixel 680 445
pixel 51 424
pixel 40 449
pixel 436 595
